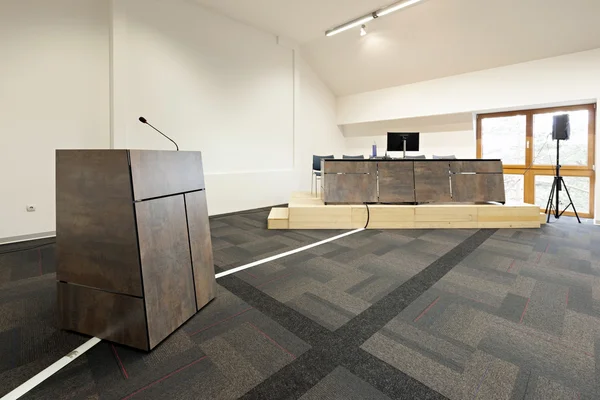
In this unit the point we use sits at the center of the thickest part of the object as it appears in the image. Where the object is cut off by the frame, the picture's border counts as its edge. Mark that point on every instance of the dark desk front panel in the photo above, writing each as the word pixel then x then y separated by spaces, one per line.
pixel 432 182
pixel 478 188
pixel 345 182
pixel 396 182
pixel 412 181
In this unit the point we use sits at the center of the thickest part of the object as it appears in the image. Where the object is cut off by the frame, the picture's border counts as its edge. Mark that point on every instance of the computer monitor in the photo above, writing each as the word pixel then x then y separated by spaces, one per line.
pixel 395 141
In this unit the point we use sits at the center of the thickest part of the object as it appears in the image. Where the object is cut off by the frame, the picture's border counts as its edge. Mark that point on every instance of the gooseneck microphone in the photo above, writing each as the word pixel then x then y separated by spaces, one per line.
pixel 144 121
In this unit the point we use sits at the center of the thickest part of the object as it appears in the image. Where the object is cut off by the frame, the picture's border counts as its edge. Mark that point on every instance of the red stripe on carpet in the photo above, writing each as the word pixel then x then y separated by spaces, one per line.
pixel 427 309
pixel 271 339
pixel 512 264
pixel 524 310
pixel 163 378
pixel 252 275
pixel 125 374
pixel 221 321
pixel 538 259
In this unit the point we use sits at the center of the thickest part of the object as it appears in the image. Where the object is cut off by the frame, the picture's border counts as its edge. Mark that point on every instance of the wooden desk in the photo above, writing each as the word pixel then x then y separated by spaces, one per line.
pixel 412 181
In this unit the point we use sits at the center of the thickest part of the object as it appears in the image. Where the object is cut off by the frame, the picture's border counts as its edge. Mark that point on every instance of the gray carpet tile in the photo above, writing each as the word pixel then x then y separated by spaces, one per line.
pixel 413 314
pixel 243 238
pixel 343 385
pixel 516 318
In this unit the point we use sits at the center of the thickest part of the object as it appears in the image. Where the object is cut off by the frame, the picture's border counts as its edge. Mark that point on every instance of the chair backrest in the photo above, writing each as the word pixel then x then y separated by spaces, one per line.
pixel 421 157
pixel 444 157
pixel 317 161
pixel 361 157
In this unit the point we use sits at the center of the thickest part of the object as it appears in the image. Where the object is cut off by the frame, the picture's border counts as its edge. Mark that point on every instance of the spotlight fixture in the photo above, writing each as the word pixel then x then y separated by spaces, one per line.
pixel 351 24
pixel 369 17
pixel 363 30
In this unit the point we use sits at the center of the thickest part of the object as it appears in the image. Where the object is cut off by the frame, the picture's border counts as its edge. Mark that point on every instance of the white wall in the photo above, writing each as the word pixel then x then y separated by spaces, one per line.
pixel 78 74
pixel 54 93
pixel 569 79
pixel 316 130
pixel 461 144
pixel 254 109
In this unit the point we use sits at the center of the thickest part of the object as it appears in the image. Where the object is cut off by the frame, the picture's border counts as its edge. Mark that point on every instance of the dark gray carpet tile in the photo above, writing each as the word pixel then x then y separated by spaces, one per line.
pixel 28 263
pixel 75 381
pixel 29 338
pixel 238 241
pixel 314 366
pixel 300 325
pixel 459 314
pixel 305 294
pixel 375 317
pixel 547 307
pixel 494 329
pixel 343 385
pixel 391 381
pixel 230 345
pixel 29 244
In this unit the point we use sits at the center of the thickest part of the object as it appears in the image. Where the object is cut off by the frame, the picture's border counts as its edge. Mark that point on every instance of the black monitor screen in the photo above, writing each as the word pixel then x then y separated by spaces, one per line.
pixel 395 141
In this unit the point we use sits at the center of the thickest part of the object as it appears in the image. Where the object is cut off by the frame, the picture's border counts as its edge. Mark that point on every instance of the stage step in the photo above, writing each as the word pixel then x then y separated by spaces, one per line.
pixel 309 212
pixel 278 218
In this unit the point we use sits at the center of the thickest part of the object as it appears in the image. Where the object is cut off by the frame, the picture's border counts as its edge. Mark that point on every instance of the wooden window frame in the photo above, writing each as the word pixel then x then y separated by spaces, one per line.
pixel 534 170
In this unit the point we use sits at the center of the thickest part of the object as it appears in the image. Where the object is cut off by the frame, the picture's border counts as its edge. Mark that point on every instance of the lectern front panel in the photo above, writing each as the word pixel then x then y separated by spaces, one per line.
pixel 96 238
pixel 166 265
pixel 201 246
pixel 115 317
pixel 161 173
pixel 124 254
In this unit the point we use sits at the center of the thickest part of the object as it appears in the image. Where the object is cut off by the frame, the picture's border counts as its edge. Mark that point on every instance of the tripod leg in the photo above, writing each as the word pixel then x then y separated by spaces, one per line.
pixel 570 201
pixel 549 205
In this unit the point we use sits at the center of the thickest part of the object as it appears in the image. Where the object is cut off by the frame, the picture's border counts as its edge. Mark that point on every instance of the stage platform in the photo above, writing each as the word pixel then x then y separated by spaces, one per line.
pixel 305 211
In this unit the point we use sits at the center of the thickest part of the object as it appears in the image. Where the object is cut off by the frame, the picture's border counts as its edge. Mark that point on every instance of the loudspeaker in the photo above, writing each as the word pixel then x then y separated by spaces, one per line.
pixel 561 128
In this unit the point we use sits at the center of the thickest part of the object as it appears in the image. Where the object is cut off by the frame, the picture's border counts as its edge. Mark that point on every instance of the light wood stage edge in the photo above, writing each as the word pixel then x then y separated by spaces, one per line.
pixel 308 212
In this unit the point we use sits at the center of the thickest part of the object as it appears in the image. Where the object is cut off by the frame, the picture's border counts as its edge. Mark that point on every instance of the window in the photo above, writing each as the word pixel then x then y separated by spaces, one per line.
pixel 523 141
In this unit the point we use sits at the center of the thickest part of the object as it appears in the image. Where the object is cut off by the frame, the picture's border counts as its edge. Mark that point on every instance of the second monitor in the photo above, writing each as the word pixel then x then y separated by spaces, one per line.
pixel 403 141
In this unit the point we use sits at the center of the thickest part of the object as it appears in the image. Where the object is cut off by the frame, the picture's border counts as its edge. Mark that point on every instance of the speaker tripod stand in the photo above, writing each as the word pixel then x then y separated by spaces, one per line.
pixel 557 186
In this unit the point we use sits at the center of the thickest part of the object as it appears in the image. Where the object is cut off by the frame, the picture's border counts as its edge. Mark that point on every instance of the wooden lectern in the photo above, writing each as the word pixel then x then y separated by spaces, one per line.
pixel 134 254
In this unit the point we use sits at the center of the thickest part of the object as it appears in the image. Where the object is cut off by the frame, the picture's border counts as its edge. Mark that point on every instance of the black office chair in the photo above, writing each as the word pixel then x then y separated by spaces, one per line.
pixel 361 157
pixel 444 157
pixel 316 171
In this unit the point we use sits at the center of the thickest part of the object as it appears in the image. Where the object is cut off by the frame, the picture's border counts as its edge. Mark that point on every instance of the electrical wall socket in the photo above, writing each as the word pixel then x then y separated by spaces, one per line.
pixel 30 207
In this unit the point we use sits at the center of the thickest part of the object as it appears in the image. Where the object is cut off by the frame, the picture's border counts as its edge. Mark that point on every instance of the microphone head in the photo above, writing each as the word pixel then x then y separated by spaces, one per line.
pixel 143 120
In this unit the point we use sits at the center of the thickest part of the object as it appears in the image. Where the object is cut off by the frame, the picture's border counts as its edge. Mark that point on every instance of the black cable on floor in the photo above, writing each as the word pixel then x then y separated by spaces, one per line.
pixel 368 216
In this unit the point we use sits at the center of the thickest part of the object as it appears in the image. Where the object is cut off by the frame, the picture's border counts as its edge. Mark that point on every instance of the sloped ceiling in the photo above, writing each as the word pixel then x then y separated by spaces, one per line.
pixel 433 39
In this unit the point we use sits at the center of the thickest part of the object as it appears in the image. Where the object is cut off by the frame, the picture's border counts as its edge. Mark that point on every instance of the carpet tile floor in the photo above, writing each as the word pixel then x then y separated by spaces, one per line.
pixel 395 314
